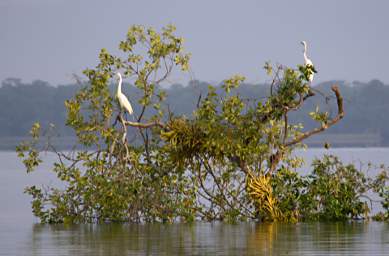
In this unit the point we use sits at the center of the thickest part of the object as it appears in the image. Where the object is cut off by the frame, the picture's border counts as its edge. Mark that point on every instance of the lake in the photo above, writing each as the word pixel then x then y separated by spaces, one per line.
pixel 21 234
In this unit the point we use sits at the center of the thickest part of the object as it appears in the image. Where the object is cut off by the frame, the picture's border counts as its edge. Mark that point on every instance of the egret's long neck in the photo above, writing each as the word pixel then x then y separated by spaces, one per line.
pixel 305 53
pixel 119 90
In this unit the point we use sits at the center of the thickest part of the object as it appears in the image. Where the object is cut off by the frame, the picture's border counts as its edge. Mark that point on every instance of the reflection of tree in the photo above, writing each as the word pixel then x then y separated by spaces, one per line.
pixel 336 237
pixel 274 239
pixel 113 239
pixel 211 239
pixel 261 239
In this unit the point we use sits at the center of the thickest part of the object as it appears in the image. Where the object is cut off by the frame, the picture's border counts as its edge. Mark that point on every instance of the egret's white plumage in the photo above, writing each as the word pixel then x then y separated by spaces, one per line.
pixel 123 101
pixel 308 62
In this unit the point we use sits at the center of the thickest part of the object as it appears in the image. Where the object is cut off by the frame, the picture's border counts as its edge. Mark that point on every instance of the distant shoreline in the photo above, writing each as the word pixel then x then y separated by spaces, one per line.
pixel 339 140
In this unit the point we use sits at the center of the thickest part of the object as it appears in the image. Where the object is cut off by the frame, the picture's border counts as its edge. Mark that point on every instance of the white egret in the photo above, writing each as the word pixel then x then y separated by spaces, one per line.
pixel 123 101
pixel 308 62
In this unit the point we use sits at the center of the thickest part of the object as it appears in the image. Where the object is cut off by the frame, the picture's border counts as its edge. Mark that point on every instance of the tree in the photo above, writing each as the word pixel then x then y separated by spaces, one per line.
pixel 218 165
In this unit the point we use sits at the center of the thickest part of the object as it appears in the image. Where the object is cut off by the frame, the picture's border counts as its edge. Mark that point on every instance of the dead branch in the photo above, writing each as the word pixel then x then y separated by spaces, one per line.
pixel 274 160
pixel 144 125
pixel 285 127
pixel 326 125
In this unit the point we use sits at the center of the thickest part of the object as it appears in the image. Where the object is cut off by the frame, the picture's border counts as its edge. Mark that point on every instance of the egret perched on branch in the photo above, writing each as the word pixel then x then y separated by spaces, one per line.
pixel 308 63
pixel 123 101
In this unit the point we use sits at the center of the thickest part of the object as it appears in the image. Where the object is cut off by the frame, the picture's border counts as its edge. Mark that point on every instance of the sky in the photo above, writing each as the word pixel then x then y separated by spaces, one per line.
pixel 51 40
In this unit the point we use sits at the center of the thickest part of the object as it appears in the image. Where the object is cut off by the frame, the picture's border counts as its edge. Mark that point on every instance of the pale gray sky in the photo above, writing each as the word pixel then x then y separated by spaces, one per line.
pixel 51 39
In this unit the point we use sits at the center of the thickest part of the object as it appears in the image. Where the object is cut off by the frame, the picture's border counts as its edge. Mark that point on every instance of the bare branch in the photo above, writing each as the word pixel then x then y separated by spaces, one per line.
pixel 328 124
pixel 285 127
pixel 144 125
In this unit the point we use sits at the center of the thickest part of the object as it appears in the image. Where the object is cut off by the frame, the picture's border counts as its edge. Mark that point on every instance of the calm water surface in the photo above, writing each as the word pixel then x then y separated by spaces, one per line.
pixel 20 233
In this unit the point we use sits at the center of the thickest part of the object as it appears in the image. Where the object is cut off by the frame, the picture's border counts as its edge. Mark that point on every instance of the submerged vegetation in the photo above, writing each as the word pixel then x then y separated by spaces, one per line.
pixel 231 161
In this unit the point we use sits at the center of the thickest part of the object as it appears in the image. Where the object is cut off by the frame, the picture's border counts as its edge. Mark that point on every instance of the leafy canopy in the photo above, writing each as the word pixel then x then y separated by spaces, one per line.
pixel 229 162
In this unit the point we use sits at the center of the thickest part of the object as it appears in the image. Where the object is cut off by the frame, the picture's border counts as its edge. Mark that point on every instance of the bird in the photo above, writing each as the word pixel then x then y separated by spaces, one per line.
pixel 308 63
pixel 123 101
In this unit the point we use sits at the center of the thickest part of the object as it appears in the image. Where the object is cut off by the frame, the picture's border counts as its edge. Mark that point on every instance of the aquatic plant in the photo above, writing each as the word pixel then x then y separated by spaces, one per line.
pixel 230 161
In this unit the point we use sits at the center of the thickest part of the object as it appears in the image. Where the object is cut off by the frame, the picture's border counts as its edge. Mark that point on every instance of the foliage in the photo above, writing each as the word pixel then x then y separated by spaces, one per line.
pixel 288 187
pixel 231 161
pixel 380 186
pixel 24 103
pixel 260 189
pixel 334 191
pixel 111 180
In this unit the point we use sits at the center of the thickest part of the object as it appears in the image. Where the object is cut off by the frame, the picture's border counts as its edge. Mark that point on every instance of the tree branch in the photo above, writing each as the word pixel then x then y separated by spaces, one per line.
pixel 326 125
pixel 144 125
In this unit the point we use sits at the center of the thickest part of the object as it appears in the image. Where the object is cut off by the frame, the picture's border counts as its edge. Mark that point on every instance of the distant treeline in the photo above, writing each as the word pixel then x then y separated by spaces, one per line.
pixel 366 105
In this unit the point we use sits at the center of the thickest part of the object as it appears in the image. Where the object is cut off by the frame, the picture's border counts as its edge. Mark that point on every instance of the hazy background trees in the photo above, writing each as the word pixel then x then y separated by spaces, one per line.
pixel 22 104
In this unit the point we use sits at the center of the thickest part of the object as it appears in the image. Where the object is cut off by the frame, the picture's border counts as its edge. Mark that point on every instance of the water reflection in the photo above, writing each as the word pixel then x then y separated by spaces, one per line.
pixel 212 239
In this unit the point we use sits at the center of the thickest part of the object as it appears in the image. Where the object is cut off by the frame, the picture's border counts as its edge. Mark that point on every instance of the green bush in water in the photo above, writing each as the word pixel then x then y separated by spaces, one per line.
pixel 189 168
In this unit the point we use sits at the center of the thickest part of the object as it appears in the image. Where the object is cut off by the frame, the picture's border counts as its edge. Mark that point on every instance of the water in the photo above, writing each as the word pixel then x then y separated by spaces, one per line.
pixel 21 234
pixel 202 239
